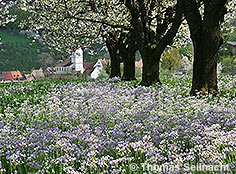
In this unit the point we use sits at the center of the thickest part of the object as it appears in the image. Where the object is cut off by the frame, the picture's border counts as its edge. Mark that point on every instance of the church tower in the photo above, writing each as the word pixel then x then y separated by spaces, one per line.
pixel 77 60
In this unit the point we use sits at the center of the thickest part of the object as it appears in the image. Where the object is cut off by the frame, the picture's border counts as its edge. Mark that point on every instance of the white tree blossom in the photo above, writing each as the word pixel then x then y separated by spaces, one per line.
pixel 67 24
pixel 5 15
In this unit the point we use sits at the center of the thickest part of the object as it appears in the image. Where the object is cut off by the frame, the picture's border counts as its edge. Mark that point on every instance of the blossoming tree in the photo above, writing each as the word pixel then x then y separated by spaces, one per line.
pixel 68 23
pixel 5 15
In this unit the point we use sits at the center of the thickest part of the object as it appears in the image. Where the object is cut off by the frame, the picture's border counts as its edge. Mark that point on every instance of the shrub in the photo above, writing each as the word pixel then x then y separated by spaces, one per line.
pixel 229 65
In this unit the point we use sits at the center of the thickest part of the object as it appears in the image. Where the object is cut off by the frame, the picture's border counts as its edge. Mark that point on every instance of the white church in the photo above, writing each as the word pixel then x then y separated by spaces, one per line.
pixel 75 63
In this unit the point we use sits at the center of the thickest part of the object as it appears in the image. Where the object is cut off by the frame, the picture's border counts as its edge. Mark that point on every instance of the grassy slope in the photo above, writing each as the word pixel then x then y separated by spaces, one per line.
pixel 7 36
pixel 17 52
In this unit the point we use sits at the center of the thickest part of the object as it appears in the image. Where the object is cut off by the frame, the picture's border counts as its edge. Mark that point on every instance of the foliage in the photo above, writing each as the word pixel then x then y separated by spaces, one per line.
pixel 225 51
pixel 20 16
pixel 54 77
pixel 103 74
pixel 55 22
pixel 5 16
pixel 138 72
pixel 232 36
pixel 17 52
pixel 187 51
pixel 170 59
pixel 104 126
pixel 229 65
pixel 47 60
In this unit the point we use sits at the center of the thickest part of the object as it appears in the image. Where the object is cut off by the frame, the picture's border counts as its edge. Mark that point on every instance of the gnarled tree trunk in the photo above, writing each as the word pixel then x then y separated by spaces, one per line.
pixel 206 37
pixel 151 64
pixel 129 66
pixel 205 62
pixel 152 43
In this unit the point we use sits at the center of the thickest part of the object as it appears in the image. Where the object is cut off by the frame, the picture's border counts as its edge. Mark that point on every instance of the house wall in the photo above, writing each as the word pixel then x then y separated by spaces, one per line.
pixel 95 74
pixel 63 70
pixel 99 65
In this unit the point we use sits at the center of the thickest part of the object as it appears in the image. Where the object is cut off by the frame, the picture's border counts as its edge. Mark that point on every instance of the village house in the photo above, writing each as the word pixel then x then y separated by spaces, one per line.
pixel 93 69
pixel 12 75
pixel 50 70
pixel 37 73
pixel 27 77
pixel 64 67
pixel 139 63
pixel 75 64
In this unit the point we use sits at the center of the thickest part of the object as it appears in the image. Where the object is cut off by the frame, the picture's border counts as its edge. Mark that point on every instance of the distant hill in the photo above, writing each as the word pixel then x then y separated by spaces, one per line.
pixel 17 52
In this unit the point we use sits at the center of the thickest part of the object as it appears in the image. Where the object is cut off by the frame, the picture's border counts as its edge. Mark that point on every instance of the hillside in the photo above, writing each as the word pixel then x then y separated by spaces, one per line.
pixel 17 52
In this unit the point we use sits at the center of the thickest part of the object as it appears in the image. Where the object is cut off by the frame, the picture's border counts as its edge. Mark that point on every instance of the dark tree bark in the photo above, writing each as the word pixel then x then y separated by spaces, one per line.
pixel 152 43
pixel 206 37
pixel 112 47
pixel 128 48
pixel 129 65
pixel 151 65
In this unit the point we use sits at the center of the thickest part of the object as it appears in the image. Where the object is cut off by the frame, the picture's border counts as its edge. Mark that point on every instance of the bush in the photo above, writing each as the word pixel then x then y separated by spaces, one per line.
pixel 229 65
pixel 103 74
pixel 170 59
pixel 138 72
pixel 59 77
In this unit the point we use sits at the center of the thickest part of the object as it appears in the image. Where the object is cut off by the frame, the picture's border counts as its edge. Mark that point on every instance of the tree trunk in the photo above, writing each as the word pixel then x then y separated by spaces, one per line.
pixel 128 48
pixel 115 59
pixel 152 42
pixel 115 65
pixel 129 65
pixel 206 37
pixel 206 49
pixel 151 64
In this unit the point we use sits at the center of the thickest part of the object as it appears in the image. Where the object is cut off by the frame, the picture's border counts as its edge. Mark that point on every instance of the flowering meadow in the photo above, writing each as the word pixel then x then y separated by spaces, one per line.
pixel 104 126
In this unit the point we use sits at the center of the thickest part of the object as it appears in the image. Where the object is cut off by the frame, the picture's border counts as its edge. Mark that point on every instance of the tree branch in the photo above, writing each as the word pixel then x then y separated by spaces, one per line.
pixel 214 13
pixel 193 16
pixel 97 21
pixel 169 36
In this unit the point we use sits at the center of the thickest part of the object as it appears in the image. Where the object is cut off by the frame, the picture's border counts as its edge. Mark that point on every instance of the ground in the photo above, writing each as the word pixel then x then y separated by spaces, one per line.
pixel 108 126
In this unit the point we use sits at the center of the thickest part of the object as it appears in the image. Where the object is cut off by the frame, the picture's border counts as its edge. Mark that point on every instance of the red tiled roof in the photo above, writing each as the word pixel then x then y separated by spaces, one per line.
pixel 88 68
pixel 11 75
pixel 89 65
pixel 66 62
